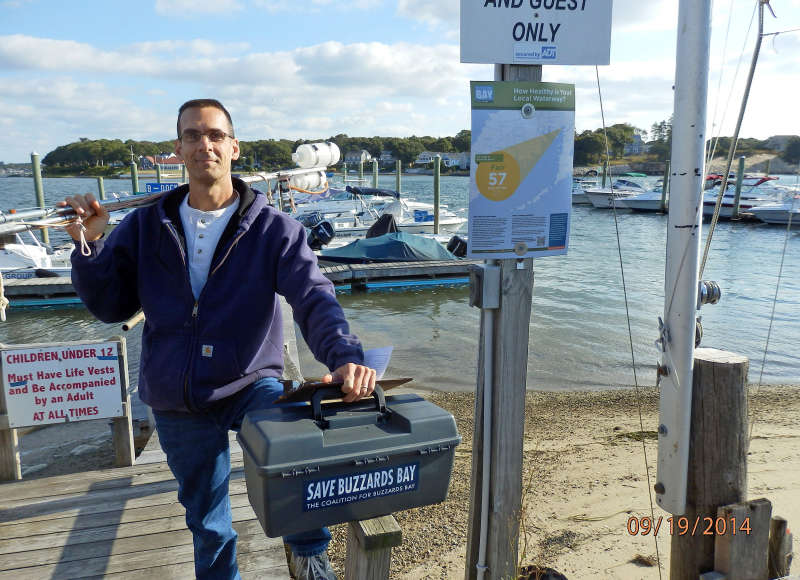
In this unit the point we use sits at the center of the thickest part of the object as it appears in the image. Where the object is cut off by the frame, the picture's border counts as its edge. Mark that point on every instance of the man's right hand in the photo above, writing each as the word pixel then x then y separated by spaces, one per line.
pixel 95 217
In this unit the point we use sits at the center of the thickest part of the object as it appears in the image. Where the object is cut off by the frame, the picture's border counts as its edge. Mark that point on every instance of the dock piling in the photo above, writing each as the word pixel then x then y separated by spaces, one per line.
pixel 437 177
pixel 101 189
pixel 37 186
pixel 398 175
pixel 717 455
pixel 134 178
pixel 665 187
pixel 375 173
pixel 738 194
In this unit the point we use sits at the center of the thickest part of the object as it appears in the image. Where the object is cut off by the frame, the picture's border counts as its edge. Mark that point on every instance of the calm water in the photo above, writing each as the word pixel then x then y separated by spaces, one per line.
pixel 579 336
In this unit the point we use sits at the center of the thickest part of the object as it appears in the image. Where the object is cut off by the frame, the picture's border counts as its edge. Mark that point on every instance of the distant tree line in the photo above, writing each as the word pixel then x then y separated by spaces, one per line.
pixel 590 146
pixel 104 156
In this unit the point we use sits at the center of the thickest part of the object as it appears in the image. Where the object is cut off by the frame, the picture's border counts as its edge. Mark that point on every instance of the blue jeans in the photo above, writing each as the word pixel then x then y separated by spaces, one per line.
pixel 196 445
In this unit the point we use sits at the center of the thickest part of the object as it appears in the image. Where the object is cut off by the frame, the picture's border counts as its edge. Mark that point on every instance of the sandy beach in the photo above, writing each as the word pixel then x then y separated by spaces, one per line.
pixel 584 478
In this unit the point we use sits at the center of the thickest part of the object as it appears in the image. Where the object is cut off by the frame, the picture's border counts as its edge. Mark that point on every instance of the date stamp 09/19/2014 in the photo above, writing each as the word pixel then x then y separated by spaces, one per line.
pixel 682 526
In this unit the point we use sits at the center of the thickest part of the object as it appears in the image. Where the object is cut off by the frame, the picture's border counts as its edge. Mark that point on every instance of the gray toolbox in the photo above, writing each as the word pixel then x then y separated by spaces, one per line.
pixel 317 464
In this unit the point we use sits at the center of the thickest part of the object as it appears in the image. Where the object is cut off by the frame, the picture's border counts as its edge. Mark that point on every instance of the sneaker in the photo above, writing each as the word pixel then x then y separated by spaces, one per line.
pixel 316 567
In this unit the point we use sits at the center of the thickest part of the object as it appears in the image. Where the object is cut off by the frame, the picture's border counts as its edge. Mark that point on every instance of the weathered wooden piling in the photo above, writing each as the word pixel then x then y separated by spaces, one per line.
pixel 101 189
pixel 665 187
pixel 717 457
pixel 134 177
pixel 39 189
pixel 375 173
pixel 158 172
pixel 398 175
pixel 738 192
pixel 437 178
pixel 369 548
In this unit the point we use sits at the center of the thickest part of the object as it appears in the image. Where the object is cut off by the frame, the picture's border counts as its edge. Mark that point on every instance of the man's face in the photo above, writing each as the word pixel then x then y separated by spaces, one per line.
pixel 206 161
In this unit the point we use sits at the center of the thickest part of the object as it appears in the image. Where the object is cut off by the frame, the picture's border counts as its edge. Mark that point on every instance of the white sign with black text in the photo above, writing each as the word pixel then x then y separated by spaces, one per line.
pixel 536 31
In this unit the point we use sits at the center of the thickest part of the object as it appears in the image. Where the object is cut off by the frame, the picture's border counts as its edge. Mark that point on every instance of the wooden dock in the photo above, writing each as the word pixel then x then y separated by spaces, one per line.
pixel 53 291
pixel 119 523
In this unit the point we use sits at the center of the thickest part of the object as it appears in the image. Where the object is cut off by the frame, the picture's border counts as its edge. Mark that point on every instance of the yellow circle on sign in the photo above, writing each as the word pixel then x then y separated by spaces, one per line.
pixel 498 179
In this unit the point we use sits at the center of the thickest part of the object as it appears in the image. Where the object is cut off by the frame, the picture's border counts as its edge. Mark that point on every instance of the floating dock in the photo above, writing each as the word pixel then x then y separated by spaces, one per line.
pixel 34 292
pixel 122 522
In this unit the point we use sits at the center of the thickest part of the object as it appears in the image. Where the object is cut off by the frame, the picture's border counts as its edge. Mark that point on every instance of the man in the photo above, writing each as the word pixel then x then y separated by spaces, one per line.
pixel 205 264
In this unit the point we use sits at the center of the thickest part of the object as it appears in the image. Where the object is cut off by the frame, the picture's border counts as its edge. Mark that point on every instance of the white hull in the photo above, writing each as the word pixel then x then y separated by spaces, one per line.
pixel 650 201
pixel 605 199
pixel 779 213
pixel 446 226
pixel 580 198
pixel 19 260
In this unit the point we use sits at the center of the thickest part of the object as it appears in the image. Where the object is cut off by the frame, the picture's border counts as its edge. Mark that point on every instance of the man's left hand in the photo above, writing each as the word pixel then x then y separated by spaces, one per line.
pixel 359 381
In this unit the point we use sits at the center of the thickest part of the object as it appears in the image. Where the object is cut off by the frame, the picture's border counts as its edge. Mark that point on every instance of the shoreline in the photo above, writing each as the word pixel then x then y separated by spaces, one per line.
pixel 584 476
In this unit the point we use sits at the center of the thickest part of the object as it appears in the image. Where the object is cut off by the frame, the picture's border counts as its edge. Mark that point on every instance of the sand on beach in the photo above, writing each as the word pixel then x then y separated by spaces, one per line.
pixel 584 477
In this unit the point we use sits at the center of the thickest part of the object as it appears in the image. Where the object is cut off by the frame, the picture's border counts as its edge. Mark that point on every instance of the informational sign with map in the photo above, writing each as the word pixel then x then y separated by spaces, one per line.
pixel 523 137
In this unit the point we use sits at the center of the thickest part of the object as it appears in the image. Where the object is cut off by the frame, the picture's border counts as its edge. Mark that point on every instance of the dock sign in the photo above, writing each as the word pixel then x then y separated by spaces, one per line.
pixel 520 192
pixel 159 187
pixel 62 382
pixel 536 31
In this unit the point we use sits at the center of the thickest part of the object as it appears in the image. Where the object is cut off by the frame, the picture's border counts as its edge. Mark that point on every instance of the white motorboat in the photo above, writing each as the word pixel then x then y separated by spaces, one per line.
pixel 779 213
pixel 608 197
pixel 579 187
pixel 354 210
pixel 647 201
pixel 23 261
pixel 756 190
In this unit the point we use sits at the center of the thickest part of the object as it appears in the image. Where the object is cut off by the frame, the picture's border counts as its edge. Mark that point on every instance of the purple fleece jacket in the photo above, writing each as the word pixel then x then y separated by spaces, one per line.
pixel 197 352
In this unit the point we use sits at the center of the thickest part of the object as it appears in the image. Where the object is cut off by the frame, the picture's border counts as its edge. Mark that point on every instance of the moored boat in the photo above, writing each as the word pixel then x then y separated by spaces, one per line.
pixel 779 213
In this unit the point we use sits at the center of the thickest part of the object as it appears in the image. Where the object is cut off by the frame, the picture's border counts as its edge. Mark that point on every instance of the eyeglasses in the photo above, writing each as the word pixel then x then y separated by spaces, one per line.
pixel 214 135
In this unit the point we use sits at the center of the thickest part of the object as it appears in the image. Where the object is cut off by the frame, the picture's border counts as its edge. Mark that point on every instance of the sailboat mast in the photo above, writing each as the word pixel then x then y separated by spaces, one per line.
pixel 683 250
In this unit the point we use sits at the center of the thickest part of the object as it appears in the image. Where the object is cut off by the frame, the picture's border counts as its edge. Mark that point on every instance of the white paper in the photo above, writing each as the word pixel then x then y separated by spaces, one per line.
pixel 378 359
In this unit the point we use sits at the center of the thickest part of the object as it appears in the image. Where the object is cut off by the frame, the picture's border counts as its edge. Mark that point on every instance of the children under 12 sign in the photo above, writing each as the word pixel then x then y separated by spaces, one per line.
pixel 64 382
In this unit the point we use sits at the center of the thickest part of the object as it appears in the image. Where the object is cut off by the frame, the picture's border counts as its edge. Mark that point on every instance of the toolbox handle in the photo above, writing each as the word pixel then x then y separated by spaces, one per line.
pixel 326 393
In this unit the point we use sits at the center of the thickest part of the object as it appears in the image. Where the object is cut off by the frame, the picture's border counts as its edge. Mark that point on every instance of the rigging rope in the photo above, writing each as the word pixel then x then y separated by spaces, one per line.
pixel 732 149
pixel 774 304
pixel 628 318
pixel 716 138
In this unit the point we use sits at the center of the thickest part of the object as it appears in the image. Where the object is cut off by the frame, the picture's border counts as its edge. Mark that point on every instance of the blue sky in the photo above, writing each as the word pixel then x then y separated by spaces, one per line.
pixel 316 68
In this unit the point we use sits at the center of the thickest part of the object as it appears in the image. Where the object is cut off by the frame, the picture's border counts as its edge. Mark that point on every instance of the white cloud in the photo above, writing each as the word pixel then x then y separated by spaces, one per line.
pixel 312 6
pixel 193 7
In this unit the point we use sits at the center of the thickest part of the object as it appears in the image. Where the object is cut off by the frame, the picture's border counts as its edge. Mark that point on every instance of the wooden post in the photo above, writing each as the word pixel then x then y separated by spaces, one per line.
pixel 665 187
pixel 398 175
pixel 361 171
pixel 122 436
pixel 375 173
pixel 369 548
pixel 122 427
pixel 37 186
pixel 717 457
pixel 158 172
pixel 10 467
pixel 780 548
pixel 605 173
pixel 437 178
pixel 183 173
pixel 134 178
pixel 738 192
pixel 741 551
pixel 509 352
pixel 101 190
